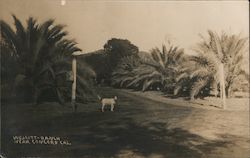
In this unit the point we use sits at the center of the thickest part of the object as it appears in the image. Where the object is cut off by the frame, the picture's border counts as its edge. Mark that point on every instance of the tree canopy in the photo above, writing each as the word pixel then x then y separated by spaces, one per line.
pixel 42 54
pixel 119 48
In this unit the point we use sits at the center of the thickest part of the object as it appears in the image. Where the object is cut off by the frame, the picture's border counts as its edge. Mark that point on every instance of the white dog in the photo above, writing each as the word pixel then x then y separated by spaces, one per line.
pixel 108 101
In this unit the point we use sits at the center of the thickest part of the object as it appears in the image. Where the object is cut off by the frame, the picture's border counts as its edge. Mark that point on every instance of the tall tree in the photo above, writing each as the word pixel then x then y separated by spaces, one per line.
pixel 157 70
pixel 116 49
pixel 119 48
pixel 42 53
pixel 214 51
pixel 230 51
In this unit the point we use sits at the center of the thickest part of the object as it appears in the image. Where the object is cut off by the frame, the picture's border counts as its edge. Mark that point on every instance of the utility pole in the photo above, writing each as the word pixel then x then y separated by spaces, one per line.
pixel 73 97
pixel 74 71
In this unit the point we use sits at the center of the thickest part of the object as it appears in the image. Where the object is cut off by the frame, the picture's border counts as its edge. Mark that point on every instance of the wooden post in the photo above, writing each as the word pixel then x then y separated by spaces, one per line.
pixel 222 86
pixel 73 97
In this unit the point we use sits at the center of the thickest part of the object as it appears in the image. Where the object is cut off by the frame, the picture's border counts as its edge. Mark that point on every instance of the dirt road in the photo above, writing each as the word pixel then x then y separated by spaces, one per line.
pixel 139 127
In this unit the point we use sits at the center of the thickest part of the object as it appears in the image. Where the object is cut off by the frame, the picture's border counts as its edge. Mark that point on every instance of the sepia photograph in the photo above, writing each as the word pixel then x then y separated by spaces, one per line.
pixel 124 79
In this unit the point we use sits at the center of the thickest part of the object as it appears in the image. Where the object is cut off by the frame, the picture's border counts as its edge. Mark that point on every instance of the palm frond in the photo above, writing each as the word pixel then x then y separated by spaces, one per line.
pixel 42 52
pixel 197 86
pixel 8 34
pixel 20 31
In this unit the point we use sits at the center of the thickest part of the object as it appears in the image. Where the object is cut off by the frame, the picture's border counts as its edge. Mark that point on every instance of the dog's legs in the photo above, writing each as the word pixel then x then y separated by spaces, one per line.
pixel 112 107
pixel 103 106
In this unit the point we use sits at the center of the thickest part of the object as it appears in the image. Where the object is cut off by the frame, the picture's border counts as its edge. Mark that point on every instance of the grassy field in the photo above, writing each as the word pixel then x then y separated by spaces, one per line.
pixel 143 125
pixel 232 104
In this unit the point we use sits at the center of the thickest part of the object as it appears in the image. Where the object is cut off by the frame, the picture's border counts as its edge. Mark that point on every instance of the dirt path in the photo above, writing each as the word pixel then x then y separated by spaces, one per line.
pixel 139 127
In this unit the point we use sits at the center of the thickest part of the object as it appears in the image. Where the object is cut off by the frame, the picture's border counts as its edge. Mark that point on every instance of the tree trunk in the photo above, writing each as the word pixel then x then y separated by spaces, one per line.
pixel 214 89
pixel 222 86
pixel 227 91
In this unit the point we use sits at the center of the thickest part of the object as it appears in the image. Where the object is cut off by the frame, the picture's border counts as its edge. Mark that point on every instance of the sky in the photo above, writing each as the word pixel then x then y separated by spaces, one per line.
pixel 146 24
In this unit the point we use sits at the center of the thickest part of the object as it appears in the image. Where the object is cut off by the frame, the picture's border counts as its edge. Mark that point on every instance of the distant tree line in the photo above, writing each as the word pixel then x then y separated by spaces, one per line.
pixel 36 65
pixel 120 64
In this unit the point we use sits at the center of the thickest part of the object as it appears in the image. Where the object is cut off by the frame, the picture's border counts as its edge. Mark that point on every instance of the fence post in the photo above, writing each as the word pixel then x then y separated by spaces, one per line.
pixel 73 97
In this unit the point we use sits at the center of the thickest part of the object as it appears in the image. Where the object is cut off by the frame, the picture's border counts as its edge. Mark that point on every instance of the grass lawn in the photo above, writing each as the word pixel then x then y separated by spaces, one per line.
pixel 142 125
pixel 232 104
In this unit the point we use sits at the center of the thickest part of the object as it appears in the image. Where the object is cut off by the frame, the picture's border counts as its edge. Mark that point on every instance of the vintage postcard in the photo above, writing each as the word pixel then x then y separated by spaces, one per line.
pixel 124 79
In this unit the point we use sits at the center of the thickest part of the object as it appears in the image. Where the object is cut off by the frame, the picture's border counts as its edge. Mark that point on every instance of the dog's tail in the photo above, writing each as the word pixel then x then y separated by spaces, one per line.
pixel 99 97
pixel 115 98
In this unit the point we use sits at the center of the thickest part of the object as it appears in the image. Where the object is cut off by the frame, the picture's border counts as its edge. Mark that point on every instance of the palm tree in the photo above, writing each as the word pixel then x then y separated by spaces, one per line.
pixel 220 52
pixel 123 74
pixel 230 51
pixel 156 70
pixel 8 70
pixel 42 52
pixel 200 71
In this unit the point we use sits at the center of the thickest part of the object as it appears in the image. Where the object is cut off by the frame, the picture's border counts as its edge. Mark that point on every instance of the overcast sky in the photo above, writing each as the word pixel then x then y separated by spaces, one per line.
pixel 145 23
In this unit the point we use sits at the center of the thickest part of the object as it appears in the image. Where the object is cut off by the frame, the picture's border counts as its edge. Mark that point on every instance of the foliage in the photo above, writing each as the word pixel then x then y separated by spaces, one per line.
pixel 124 72
pixel 232 48
pixel 105 61
pixel 42 55
pixel 119 48
pixel 199 72
pixel 228 50
pixel 152 72
pixel 99 62
pixel 115 50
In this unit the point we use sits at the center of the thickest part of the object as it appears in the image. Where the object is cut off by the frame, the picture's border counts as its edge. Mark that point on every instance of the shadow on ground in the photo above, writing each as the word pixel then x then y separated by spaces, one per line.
pixel 131 131
pixel 111 135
